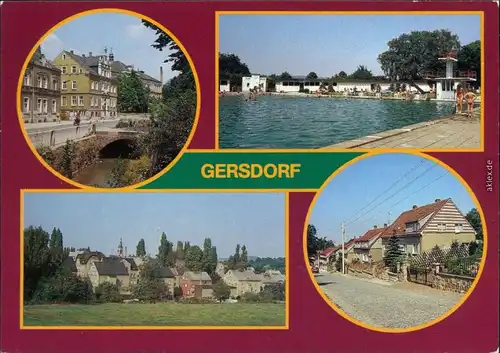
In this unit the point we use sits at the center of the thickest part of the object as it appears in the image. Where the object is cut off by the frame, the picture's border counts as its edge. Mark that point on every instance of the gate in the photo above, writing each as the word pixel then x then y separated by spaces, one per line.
pixel 420 274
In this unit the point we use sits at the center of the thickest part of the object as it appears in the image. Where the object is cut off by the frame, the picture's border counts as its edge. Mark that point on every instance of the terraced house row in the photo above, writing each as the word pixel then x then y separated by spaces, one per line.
pixel 123 271
pixel 418 230
pixel 73 85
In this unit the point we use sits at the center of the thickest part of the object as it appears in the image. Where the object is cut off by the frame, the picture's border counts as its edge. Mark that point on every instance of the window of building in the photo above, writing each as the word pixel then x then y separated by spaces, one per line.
pixel 80 71
pixel 45 106
pixel 63 69
pixel 441 227
pixel 54 85
pixel 73 84
pixel 64 85
pixel 26 80
pixel 73 69
pixel 39 81
pixel 45 82
pixel 64 56
pixel 26 104
pixel 458 227
pixel 64 101
pixel 54 106
pixel 74 100
pixel 80 100
pixel 411 227
pixel 91 84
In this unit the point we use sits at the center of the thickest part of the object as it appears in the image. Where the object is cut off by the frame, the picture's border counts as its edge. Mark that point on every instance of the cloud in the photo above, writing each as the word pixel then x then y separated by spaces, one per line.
pixel 136 31
pixel 52 46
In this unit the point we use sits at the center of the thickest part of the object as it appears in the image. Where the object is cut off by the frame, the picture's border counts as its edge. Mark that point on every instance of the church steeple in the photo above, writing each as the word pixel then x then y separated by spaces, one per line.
pixel 119 250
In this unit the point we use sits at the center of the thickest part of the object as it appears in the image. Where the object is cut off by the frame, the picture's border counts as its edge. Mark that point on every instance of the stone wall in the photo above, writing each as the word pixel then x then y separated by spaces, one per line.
pixel 452 283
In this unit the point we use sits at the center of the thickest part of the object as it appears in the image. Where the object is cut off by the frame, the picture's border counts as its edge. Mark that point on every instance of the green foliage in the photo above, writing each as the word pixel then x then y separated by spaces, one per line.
pixel 393 253
pixel 314 243
pixel 194 258
pixel 285 76
pixel 108 292
pixel 338 263
pixel 133 96
pixel 37 259
pixel 232 68
pixel 63 288
pixel 177 292
pixel 469 58
pixel 166 256
pixel 261 264
pixel 273 292
pixel 179 251
pixel 411 54
pixel 311 75
pixel 361 73
pixel 65 165
pixel 474 219
pixel 244 255
pixel 221 291
pixel 342 74
pixel 141 248
pixel 149 286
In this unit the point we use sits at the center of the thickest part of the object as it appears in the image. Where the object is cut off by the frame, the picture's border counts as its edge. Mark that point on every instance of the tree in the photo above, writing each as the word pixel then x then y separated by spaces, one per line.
pixel 285 76
pixel 221 291
pixel 361 73
pixel 187 245
pixel 232 68
pixel 474 219
pixel 140 250
pixel 342 74
pixel 65 165
pixel 214 259
pixel 207 256
pixel 63 287
pixel 311 75
pixel 37 261
pixel 244 255
pixel 163 250
pixel 273 292
pixel 108 292
pixel 149 286
pixel 411 54
pixel 179 251
pixel 133 97
pixel 194 258
pixel 37 55
pixel 469 58
pixel 393 253
pixel 56 247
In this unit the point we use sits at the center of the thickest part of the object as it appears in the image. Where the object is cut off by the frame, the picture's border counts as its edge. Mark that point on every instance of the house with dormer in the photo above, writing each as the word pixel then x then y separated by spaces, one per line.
pixel 439 223
pixel 368 247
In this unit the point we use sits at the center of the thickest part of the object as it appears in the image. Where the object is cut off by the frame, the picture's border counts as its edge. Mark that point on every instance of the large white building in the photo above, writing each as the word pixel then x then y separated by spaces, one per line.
pixel 224 86
pixel 254 81
pixel 446 86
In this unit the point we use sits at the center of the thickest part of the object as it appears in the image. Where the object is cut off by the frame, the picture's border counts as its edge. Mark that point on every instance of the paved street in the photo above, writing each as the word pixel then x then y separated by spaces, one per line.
pixel 386 305
pixel 451 132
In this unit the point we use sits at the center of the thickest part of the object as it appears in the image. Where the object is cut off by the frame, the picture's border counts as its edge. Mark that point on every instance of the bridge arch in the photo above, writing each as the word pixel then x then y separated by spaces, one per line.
pixel 119 148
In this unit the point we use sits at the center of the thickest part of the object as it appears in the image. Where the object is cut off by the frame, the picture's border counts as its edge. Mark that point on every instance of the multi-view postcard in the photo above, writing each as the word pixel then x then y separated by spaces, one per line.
pixel 249 177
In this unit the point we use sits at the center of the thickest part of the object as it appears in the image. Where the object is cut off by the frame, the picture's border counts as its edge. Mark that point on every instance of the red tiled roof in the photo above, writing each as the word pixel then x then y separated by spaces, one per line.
pixel 327 252
pixel 372 233
pixel 399 226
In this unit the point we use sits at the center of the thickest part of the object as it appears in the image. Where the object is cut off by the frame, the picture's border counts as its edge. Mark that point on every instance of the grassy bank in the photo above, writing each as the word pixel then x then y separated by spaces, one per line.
pixel 161 314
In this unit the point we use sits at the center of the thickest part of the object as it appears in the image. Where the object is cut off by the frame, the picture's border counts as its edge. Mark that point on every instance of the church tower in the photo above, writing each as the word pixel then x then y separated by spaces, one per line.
pixel 119 250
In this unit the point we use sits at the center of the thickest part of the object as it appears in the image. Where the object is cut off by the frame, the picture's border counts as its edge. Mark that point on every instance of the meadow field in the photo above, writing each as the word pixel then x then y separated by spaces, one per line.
pixel 159 314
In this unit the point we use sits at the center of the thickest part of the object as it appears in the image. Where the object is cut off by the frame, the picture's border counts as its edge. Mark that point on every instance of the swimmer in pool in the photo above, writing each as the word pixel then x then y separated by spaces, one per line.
pixel 470 97
pixel 459 99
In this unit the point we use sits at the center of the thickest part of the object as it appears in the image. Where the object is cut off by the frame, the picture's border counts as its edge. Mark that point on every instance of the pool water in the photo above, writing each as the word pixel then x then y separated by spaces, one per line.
pixel 310 122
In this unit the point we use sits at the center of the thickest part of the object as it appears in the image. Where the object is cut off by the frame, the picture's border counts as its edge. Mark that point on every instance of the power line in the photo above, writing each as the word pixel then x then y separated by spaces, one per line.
pixel 395 193
pixel 386 190
pixel 415 192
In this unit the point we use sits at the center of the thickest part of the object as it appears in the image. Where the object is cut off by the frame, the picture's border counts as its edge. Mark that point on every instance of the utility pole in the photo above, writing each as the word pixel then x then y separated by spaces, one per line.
pixel 342 232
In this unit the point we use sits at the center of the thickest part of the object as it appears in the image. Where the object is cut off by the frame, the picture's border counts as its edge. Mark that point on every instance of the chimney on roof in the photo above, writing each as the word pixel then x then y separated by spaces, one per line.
pixel 375 227
pixel 161 74
pixel 125 252
pixel 437 200
pixel 90 53
pixel 72 51
pixel 414 207
pixel 83 55
pixel 111 57
pixel 385 225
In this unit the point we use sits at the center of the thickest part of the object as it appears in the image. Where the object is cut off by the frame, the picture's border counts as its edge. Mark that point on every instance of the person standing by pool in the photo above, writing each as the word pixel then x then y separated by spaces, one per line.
pixel 470 97
pixel 459 98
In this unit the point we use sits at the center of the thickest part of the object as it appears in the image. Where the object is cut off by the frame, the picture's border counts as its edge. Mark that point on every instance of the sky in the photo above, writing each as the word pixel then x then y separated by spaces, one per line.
pixel 326 44
pixel 99 220
pixel 363 194
pixel 129 39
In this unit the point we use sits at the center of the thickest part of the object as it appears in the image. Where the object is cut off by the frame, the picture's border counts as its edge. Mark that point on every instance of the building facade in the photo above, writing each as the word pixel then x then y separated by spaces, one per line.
pixel 254 82
pixel 154 86
pixel 41 92
pixel 87 88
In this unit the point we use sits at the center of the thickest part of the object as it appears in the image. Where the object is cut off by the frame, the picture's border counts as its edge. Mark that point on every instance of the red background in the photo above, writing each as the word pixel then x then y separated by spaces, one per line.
pixel 314 327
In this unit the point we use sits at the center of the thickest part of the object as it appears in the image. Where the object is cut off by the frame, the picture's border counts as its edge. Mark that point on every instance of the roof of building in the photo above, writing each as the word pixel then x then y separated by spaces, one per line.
pixel 85 61
pixel 246 275
pixel 118 67
pixel 196 276
pixel 328 251
pixel 133 264
pixel 70 264
pixel 165 272
pixel 43 62
pixel 398 228
pixel 372 233
pixel 111 267
pixel 272 277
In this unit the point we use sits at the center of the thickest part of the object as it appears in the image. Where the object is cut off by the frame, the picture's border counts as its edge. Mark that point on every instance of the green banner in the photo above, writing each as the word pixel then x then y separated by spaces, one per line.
pixel 263 170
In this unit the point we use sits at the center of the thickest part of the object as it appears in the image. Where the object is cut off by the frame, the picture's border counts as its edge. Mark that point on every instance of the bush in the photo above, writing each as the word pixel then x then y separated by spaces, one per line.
pixel 108 292
pixel 273 292
pixel 250 298
pixel 63 288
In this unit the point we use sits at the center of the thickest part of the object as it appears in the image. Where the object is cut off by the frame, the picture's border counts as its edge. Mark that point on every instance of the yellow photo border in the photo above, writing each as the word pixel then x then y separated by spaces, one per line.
pixel 360 13
pixel 395 330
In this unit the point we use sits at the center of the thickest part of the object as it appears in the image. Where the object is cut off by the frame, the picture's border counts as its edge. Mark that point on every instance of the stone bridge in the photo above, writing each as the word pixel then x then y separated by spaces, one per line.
pixel 115 143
